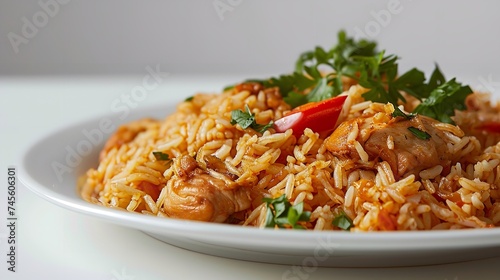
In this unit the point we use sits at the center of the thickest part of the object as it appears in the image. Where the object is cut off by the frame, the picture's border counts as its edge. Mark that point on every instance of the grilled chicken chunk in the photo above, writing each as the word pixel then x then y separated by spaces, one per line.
pixel 393 142
pixel 196 194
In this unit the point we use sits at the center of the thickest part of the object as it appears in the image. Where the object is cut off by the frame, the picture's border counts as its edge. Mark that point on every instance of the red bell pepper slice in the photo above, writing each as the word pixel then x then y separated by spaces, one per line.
pixel 318 116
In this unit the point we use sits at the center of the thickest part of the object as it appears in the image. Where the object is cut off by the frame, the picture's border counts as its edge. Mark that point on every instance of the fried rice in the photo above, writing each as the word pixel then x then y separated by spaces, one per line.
pixel 244 166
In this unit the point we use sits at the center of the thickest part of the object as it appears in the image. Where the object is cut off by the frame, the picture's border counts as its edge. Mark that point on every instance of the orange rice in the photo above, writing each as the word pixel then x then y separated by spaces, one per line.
pixel 271 164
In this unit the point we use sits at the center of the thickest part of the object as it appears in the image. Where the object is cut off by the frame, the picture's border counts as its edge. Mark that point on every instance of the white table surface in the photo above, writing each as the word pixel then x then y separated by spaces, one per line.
pixel 54 243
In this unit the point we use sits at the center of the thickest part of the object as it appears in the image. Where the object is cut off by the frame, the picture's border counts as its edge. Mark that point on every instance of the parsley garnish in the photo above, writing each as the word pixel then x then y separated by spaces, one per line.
pixel 375 71
pixel 443 100
pixel 308 72
pixel 419 133
pixel 281 213
pixel 398 113
pixel 247 119
pixel 161 156
pixel 342 221
pixel 341 60
pixel 189 99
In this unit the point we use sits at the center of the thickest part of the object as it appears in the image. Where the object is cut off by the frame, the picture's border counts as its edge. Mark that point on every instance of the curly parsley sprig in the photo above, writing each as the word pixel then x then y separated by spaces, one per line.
pixel 376 71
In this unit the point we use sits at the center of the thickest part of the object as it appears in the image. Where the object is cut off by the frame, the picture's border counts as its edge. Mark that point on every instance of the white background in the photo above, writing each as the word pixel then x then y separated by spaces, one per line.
pixel 89 53
pixel 116 37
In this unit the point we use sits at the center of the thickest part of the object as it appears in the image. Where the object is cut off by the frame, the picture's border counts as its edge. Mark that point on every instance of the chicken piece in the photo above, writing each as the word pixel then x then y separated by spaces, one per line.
pixel 406 153
pixel 338 142
pixel 126 133
pixel 195 194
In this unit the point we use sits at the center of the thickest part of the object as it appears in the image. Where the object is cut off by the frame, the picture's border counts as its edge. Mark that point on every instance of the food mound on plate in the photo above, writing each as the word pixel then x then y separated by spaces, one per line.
pixel 343 143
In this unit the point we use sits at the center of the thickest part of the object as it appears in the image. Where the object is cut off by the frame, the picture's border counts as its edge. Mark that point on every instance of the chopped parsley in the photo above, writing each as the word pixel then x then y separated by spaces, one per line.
pixel 247 119
pixel 398 113
pixel 419 133
pixel 342 221
pixel 161 156
pixel 281 213
pixel 189 99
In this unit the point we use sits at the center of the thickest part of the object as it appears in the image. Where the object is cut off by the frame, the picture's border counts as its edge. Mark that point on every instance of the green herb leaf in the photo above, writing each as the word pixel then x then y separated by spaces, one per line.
pixel 412 82
pixel 436 80
pixel 419 133
pixel 247 119
pixel 161 156
pixel 342 221
pixel 322 91
pixel 270 218
pixel 295 99
pixel 444 100
pixel 189 99
pixel 261 128
pixel 289 83
pixel 398 113
pixel 244 119
pixel 281 213
pixel 374 70
pixel 308 69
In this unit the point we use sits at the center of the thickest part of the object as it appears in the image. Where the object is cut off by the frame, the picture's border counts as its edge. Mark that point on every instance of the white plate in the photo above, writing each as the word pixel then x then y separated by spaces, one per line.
pixel 74 151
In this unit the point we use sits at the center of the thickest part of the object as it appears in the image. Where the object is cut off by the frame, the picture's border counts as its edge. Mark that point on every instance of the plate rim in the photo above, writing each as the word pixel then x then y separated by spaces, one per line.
pixel 232 234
